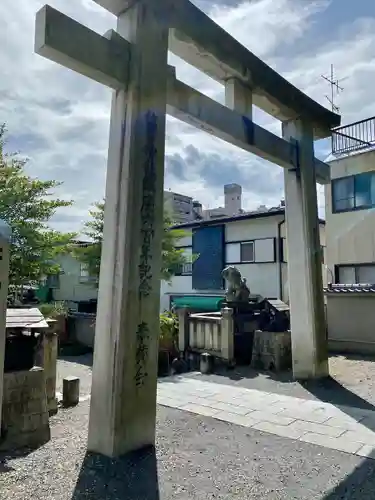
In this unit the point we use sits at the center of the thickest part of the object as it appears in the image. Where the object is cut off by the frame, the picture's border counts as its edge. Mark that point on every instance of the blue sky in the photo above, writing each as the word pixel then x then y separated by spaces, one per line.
pixel 60 120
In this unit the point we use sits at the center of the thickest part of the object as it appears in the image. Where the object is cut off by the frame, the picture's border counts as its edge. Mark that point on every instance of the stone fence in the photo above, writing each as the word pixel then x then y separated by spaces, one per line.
pixel 207 332
pixel 81 328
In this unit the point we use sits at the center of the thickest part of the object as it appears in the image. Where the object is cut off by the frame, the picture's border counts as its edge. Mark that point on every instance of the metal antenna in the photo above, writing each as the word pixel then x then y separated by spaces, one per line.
pixel 334 83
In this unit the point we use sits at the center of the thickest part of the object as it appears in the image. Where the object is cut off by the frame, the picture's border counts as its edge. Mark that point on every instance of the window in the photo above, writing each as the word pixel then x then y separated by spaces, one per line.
pixel 356 192
pixel 53 281
pixel 356 274
pixel 84 271
pixel 84 274
pixel 247 252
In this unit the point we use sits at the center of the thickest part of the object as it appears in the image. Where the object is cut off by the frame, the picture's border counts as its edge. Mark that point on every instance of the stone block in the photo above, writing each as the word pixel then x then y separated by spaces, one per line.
pixel 336 443
pixel 206 363
pixel 272 351
pixel 279 430
pixel 24 412
pixel 206 411
pixel 234 418
pixel 70 391
pixel 315 428
pixel 271 417
pixel 238 410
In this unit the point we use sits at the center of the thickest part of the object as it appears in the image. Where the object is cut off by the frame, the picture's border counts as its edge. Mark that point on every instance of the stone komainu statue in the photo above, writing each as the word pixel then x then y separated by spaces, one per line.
pixel 237 290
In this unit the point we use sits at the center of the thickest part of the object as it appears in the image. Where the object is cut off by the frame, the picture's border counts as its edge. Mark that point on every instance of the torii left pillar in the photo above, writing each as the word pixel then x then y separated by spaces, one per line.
pixel 5 235
pixel 123 398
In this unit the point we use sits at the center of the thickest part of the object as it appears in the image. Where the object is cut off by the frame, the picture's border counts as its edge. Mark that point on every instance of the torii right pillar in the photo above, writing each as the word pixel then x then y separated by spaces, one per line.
pixel 306 298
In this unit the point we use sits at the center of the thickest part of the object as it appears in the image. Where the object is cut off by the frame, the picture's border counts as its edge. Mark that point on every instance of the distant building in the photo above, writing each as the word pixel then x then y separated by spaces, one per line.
pixel 179 207
pixel 254 242
pixel 232 203
pixel 350 215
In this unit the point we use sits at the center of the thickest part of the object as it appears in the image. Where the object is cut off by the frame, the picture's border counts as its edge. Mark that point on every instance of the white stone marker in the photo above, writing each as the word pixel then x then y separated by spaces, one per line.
pixel 123 402
pixel 308 326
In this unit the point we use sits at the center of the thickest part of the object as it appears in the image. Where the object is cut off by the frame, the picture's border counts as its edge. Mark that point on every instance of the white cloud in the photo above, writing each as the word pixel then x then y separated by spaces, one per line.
pixel 60 120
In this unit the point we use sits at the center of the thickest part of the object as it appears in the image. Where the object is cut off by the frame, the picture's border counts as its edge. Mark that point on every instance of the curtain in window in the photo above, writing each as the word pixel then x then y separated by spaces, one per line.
pixel 347 275
pixel 366 274
pixel 343 193
pixel 363 184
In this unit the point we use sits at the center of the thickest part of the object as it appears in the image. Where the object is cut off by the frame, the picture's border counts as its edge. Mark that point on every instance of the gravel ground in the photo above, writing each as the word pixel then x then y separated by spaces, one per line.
pixel 196 458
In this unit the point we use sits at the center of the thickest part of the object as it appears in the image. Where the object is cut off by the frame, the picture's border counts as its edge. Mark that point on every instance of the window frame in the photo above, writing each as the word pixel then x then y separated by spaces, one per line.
pixel 356 271
pixel 243 243
pixel 354 178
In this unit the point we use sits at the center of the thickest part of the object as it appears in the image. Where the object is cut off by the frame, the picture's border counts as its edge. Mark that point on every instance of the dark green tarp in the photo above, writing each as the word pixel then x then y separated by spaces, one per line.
pixel 210 304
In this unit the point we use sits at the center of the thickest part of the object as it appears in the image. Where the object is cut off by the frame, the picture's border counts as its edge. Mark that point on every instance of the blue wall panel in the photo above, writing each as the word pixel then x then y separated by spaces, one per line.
pixel 208 243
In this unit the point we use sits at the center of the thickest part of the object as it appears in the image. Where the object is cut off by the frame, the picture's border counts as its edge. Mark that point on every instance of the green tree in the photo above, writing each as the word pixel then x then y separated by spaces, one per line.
pixel 172 257
pixel 26 205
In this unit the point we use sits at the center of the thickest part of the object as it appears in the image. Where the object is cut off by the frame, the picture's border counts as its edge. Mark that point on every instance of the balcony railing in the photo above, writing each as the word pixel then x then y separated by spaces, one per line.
pixel 183 269
pixel 354 137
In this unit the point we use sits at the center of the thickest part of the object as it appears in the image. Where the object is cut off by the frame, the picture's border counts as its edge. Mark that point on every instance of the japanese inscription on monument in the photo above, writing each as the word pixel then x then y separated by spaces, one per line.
pixel 147 234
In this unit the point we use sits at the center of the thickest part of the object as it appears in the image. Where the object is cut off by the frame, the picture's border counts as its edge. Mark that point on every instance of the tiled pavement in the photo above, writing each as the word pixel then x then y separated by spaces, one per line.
pixel 342 428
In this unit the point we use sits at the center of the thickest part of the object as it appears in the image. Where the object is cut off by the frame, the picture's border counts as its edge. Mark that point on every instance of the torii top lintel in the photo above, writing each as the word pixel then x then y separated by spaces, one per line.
pixel 197 39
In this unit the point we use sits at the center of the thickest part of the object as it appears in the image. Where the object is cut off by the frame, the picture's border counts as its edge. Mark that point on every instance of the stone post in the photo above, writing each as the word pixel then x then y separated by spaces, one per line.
pixel 227 334
pixel 48 360
pixel 123 398
pixel 183 329
pixel 308 329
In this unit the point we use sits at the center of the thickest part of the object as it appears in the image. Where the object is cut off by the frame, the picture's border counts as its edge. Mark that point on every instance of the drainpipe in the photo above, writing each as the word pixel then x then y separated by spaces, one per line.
pixel 279 253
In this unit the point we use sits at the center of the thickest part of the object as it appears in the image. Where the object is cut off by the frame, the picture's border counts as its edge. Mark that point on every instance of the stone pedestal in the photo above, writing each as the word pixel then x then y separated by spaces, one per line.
pixel 123 397
pixel 227 334
pixel 272 351
pixel 306 299
pixel 183 329
pixel 24 414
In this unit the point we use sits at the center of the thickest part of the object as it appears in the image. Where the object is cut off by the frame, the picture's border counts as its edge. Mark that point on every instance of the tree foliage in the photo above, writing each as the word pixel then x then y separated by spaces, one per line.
pixel 26 205
pixel 172 257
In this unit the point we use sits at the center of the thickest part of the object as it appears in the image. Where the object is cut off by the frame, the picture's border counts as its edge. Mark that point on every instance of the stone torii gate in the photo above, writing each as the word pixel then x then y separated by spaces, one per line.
pixel 133 62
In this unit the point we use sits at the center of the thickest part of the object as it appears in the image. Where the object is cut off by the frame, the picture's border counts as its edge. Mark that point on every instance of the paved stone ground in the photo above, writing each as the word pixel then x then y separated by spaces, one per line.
pixel 343 428
pixel 197 456
pixel 352 383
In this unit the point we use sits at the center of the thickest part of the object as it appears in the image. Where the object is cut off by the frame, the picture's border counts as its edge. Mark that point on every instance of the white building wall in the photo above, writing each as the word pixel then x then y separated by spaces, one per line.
pixel 262 279
pixel 179 284
pixel 262 275
pixel 350 235
pixel 264 227
pixel 186 241
pixel 72 287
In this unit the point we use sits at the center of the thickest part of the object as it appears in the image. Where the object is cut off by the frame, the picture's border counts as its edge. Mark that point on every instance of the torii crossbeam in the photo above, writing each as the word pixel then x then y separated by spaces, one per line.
pixel 133 62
